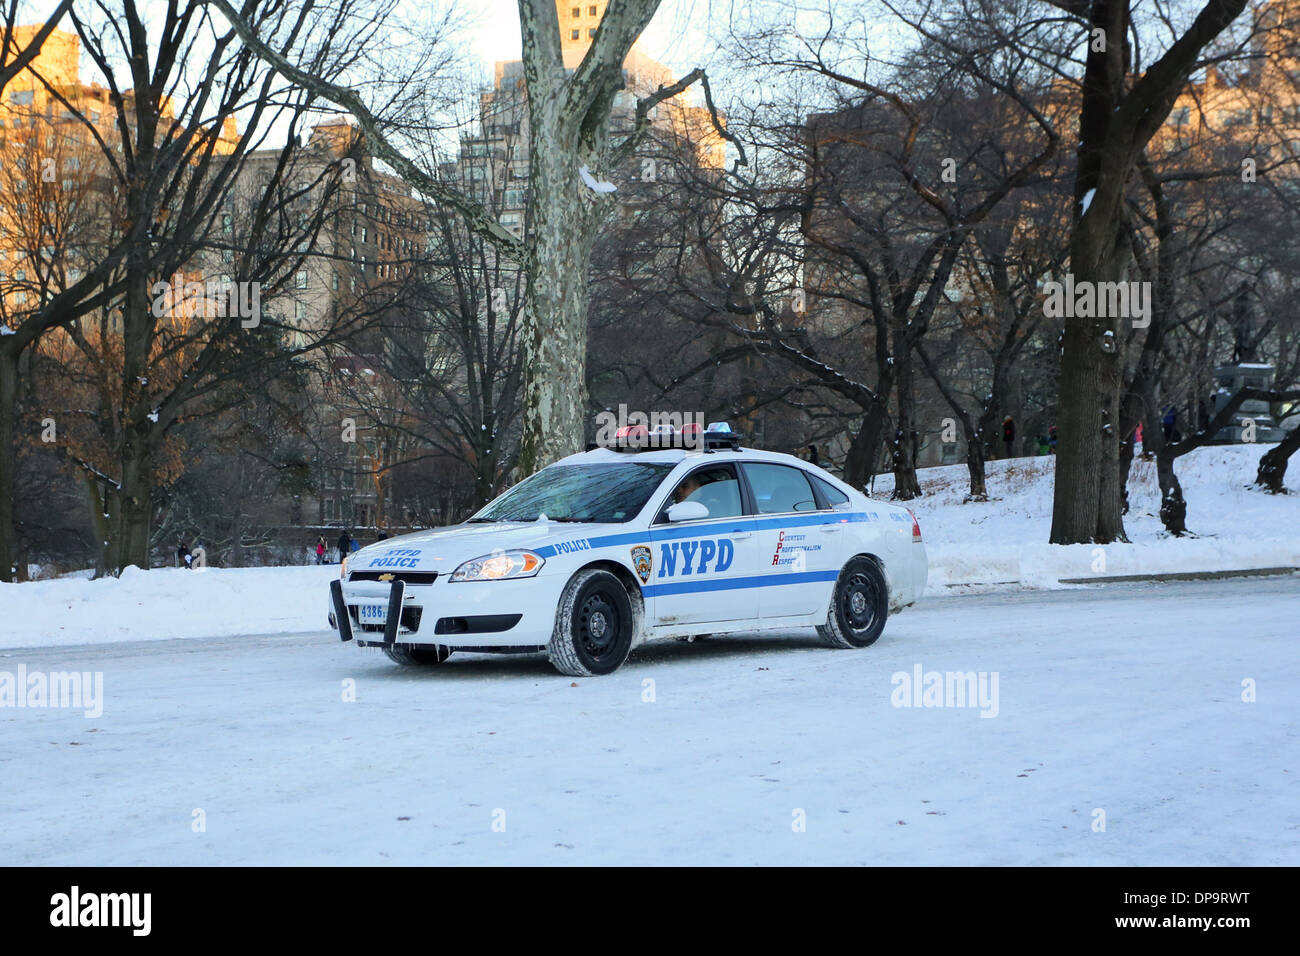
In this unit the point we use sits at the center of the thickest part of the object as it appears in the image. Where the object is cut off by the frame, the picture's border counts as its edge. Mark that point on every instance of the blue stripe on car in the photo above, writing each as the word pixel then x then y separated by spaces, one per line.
pixel 717 528
pixel 732 584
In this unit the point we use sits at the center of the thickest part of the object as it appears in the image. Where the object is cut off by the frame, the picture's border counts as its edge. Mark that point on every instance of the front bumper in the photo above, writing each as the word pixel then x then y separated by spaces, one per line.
pixel 473 614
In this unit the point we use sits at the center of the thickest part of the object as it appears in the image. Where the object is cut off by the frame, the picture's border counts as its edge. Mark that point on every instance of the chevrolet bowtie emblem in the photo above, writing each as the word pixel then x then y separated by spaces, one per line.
pixel 385 577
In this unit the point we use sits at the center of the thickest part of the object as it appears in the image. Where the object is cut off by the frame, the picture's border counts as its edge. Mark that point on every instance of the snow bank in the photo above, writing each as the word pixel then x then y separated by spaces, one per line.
pixel 165 603
pixel 1004 540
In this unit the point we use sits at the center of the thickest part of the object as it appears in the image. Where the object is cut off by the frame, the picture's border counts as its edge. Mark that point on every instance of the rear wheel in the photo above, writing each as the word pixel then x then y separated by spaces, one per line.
pixel 859 606
pixel 417 655
pixel 593 625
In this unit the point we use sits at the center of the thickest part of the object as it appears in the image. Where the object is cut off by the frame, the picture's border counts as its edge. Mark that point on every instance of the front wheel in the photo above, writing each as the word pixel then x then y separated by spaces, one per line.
pixel 859 606
pixel 417 655
pixel 593 625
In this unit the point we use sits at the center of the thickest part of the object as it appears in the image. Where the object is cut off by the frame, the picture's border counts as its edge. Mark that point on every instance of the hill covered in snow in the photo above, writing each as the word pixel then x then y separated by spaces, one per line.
pixel 1233 524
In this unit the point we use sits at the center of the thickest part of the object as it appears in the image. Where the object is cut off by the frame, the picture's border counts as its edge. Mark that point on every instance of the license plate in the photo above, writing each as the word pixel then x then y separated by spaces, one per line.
pixel 372 613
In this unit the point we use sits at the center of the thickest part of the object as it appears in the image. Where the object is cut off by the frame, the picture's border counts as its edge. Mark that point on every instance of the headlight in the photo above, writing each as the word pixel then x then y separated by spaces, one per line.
pixel 499 566
pixel 343 568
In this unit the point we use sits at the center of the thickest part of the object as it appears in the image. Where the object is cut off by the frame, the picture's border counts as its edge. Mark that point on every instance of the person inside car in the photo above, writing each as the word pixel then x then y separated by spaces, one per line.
pixel 686 489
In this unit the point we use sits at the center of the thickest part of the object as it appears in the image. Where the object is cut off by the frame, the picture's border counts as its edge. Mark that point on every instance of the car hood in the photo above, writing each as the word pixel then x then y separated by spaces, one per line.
pixel 444 549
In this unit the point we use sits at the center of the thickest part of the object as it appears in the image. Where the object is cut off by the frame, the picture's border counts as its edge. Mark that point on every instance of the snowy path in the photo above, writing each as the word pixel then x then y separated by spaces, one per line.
pixel 1124 698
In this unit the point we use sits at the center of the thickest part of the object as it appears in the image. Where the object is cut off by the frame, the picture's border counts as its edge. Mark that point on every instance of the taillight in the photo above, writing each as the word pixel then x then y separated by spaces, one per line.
pixel 916 528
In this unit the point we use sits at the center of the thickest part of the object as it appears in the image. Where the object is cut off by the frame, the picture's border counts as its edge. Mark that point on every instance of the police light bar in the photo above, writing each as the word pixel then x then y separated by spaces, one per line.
pixel 690 436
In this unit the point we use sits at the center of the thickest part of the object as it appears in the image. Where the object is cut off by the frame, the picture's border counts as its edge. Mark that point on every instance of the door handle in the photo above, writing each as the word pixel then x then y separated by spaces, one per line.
pixel 739 535
pixel 828 528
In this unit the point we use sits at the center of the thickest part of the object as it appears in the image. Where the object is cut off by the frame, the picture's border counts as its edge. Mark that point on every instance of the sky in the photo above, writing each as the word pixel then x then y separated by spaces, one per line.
pixel 677 37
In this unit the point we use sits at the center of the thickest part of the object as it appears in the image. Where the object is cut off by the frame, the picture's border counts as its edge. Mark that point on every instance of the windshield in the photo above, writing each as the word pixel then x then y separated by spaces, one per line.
pixel 602 493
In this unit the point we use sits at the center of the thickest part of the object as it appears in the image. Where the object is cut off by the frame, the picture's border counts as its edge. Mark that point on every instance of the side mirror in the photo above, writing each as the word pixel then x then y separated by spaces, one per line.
pixel 687 511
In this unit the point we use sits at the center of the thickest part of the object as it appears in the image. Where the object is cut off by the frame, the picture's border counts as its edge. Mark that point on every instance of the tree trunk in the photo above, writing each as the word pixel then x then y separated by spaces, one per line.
pixel 1173 507
pixel 555 325
pixel 1272 467
pixel 98 501
pixel 8 462
pixel 906 486
pixel 863 451
pixel 974 439
pixel 1087 494
pixel 975 467
pixel 130 522
pixel 237 525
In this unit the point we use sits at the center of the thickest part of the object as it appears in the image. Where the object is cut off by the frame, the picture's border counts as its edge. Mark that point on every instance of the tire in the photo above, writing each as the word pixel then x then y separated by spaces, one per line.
pixel 417 655
pixel 593 626
pixel 859 606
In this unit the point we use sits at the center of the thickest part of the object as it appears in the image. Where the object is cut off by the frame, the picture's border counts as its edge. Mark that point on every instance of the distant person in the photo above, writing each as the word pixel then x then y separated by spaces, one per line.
pixel 320 550
pixel 1043 447
pixel 344 544
pixel 382 536
pixel 1051 439
pixel 1009 436
pixel 1168 420
pixel 813 457
pixel 184 558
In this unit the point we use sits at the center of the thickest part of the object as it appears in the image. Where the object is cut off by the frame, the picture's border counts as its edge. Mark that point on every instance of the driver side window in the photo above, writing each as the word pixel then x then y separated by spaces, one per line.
pixel 716 487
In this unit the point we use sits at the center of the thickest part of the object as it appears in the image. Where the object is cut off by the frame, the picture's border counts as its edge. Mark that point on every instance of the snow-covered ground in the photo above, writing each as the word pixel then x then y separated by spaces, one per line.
pixel 164 603
pixel 995 542
pixel 1233 524
pixel 1120 737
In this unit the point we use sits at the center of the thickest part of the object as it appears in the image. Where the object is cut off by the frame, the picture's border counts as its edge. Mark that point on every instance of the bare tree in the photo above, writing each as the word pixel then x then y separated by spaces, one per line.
pixel 169 155
pixel 569 112
pixel 16 339
pixel 1119 114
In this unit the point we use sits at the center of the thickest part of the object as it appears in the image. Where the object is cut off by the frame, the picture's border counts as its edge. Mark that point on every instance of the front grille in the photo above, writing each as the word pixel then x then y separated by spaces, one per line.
pixel 407 577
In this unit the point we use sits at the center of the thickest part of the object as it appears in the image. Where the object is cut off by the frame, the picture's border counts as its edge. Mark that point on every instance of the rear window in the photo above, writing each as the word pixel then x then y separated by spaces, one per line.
pixel 779 489
pixel 837 499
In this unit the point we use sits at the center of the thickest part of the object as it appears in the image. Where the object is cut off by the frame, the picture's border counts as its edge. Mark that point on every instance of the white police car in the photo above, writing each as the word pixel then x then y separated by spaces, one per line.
pixel 605 549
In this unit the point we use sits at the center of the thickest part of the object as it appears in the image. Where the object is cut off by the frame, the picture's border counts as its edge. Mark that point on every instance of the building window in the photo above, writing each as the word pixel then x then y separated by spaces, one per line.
pixel 591 32
pixel 577 34
pixel 22 97
pixel 592 10
pixel 300 281
pixel 577 12
pixel 300 311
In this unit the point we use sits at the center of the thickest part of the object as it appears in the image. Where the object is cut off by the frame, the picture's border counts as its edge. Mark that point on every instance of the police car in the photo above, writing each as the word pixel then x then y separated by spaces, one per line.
pixel 658 535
